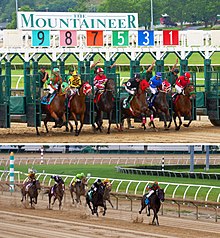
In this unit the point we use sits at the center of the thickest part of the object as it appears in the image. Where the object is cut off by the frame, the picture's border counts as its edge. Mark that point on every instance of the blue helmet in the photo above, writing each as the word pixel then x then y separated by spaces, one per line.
pixel 158 74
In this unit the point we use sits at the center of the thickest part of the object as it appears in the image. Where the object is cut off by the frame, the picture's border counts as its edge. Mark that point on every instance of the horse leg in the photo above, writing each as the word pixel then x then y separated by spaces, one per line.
pixel 38 133
pixel 155 214
pixel 105 208
pixel 143 205
pixel 109 121
pixel 76 123
pixel 47 118
pixel 60 203
pixel 81 122
pixel 148 209
pixel 56 118
pixel 71 193
pixel 49 201
pixel 110 203
pixel 187 125
pixel 180 122
pixel 54 200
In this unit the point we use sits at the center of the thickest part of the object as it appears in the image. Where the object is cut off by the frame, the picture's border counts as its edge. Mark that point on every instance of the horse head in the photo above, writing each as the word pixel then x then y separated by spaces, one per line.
pixel 165 87
pixel 110 85
pixel 161 194
pixel 86 88
pixel 189 91
pixel 143 85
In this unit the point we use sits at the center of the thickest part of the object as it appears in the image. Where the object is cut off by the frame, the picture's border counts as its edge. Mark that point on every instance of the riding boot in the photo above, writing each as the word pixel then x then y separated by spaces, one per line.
pixel 127 101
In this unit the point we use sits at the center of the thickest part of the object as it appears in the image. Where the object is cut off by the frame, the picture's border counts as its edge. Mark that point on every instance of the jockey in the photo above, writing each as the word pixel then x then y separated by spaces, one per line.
pixel 74 83
pixel 181 82
pixel 69 75
pixel 58 180
pixel 95 186
pixel 99 80
pixel 31 179
pixel 106 182
pixel 131 87
pixel 53 82
pixel 155 83
pixel 151 188
pixel 78 178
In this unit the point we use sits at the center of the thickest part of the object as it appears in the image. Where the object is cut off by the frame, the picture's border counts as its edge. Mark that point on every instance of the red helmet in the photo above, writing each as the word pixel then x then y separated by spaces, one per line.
pixel 187 75
pixel 100 70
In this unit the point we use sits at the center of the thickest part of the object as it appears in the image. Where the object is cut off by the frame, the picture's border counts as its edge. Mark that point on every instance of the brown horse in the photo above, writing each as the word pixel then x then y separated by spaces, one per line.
pixel 106 196
pixel 56 110
pixel 78 106
pixel 154 203
pixel 104 103
pixel 57 193
pixel 139 107
pixel 161 106
pixel 31 192
pixel 79 188
pixel 182 106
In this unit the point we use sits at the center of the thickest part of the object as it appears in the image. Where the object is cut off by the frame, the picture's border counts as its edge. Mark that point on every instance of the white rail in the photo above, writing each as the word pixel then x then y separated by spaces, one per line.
pixel 174 190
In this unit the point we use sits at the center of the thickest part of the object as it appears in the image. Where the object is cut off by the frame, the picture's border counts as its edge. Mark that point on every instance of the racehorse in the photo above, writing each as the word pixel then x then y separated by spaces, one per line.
pixel 104 103
pixel 32 192
pixel 56 110
pixel 139 107
pixel 155 202
pixel 77 106
pixel 57 193
pixel 97 200
pixel 79 188
pixel 182 106
pixel 106 195
pixel 161 106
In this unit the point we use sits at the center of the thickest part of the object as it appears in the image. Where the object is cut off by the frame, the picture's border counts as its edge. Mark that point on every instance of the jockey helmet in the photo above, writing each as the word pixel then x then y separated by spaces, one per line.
pixel 187 75
pixel 176 71
pixel 56 70
pixel 74 73
pixel 158 75
pixel 82 174
pixel 106 181
pixel 52 176
pixel 137 76
pixel 99 181
pixel 100 70
pixel 71 70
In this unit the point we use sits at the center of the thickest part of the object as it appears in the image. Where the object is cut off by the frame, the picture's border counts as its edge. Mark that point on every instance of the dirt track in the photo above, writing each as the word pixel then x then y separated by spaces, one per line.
pixel 199 132
pixel 18 221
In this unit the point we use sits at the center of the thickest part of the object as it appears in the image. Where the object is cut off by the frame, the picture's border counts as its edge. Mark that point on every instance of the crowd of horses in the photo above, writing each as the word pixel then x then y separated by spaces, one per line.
pixel 79 189
pixel 104 103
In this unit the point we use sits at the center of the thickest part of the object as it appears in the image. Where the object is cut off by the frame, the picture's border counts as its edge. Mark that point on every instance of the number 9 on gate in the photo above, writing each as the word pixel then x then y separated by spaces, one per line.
pixel 41 38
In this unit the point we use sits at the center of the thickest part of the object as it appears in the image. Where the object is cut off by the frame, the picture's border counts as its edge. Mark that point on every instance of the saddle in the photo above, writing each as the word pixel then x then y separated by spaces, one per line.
pixel 98 96
pixel 47 101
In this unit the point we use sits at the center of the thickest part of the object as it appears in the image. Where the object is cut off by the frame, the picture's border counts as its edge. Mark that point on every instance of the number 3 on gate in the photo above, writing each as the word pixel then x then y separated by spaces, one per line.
pixel 145 38
pixel 41 38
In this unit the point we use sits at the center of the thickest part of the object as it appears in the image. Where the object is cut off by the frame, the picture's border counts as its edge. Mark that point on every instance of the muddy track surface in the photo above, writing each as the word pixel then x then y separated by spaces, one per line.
pixel 199 132
pixel 16 220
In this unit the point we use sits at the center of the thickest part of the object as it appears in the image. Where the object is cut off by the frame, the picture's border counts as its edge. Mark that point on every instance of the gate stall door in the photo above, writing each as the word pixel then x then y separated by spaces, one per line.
pixel 33 101
pixel 4 103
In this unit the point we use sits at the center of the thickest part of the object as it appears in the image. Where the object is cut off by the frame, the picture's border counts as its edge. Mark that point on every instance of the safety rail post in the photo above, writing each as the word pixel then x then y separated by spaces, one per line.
pixel 12 174
pixel 183 66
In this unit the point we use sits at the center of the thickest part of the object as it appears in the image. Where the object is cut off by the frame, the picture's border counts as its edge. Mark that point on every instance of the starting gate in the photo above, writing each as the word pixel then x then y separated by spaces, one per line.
pixel 4 102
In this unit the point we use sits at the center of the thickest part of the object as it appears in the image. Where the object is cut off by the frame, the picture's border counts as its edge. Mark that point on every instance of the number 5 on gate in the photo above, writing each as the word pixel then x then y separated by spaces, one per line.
pixel 41 38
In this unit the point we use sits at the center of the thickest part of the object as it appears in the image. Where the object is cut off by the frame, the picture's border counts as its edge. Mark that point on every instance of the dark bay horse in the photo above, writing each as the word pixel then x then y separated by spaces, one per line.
pixel 139 107
pixel 161 106
pixel 56 110
pixel 32 192
pixel 79 188
pixel 182 106
pixel 155 202
pixel 104 103
pixel 77 106
pixel 97 201
pixel 106 196
pixel 57 194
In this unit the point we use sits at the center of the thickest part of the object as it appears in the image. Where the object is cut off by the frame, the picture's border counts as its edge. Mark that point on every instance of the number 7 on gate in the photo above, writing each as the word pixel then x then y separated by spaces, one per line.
pixel 94 38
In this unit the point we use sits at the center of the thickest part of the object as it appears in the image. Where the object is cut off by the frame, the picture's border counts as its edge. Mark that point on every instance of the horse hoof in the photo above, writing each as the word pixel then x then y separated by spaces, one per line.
pixel 139 212
pixel 148 215
pixel 177 128
pixel 185 125
pixel 108 132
